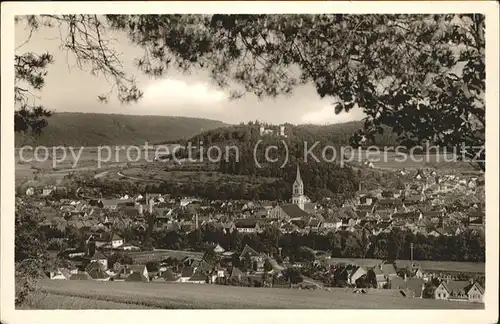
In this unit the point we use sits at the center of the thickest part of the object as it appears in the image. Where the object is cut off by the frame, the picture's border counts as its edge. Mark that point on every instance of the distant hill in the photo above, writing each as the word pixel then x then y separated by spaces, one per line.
pixel 85 129
pixel 334 134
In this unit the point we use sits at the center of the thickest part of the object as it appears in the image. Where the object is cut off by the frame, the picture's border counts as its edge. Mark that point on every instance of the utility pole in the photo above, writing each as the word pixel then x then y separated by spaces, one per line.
pixel 411 251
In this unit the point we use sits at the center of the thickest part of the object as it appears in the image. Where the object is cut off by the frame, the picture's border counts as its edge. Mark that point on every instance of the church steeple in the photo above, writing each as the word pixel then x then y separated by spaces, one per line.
pixel 298 190
pixel 298 179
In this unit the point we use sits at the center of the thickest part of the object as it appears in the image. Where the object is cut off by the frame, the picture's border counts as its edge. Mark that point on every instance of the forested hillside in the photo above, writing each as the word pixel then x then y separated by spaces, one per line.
pixel 82 129
pixel 334 134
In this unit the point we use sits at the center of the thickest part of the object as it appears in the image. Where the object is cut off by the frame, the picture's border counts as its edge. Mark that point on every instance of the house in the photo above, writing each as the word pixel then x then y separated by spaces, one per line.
pixel 198 277
pixel 116 241
pixel 218 249
pixel 169 276
pixel 313 224
pixel 98 274
pixel 74 253
pixel 48 190
pixel 459 291
pixel 256 258
pixel 261 213
pixel 369 164
pixel 60 274
pixel 356 274
pixel 365 200
pixel 128 247
pixel 413 287
pixel 476 293
pixel 310 207
pixel 137 277
pixel 100 258
pixel 387 194
pixel 331 224
pixel 414 199
pixel 384 272
pixel 186 274
pixel 216 274
pixel 406 216
pixel 139 268
pixel 275 266
pixel 30 191
pixel 247 225
pixel 419 176
pixel 389 203
pixel 236 273
pixel 475 218
pixel 289 228
pixel 228 227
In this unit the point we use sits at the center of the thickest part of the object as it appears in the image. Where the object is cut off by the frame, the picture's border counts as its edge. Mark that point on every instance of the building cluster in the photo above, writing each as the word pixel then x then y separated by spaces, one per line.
pixel 454 281
pixel 428 205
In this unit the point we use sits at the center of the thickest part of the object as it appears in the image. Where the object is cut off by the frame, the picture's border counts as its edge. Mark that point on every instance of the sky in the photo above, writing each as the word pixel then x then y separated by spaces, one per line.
pixel 69 89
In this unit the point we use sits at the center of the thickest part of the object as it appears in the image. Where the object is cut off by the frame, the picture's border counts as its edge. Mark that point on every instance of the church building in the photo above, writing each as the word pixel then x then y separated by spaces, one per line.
pixel 300 205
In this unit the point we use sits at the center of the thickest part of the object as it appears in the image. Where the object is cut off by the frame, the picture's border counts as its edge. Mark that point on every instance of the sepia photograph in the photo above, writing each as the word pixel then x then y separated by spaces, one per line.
pixel 247 158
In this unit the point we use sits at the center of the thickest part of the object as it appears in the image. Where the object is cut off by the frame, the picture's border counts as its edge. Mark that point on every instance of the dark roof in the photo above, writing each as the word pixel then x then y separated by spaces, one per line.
pixel 168 275
pixel 136 276
pixel 413 198
pixel 187 272
pixel 275 264
pixel 248 250
pixel 480 288
pixel 116 237
pixel 98 256
pixel 432 213
pixel 412 284
pixel 362 213
pixel 131 212
pixel 198 276
pixel 405 215
pixel 236 272
pixel 387 193
pixel 93 265
pixel 398 283
pixel 64 272
pixel 300 223
pixel 364 208
pixel 246 223
pixel 476 214
pixel 98 273
pixel 385 269
pixel 456 286
pixel 390 202
pixel 415 285
pixel 309 206
pixel 314 222
pixel 293 211
pixel 139 268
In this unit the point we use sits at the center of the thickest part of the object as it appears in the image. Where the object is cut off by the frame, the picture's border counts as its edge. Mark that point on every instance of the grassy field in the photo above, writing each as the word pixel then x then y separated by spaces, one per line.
pixel 56 301
pixel 196 296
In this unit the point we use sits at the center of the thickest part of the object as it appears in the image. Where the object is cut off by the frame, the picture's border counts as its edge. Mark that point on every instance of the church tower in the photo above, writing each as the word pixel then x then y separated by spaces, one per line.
pixel 298 191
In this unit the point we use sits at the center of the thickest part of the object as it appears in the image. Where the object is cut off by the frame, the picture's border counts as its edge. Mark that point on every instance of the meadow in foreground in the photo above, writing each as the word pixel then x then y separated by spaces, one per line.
pixel 195 296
